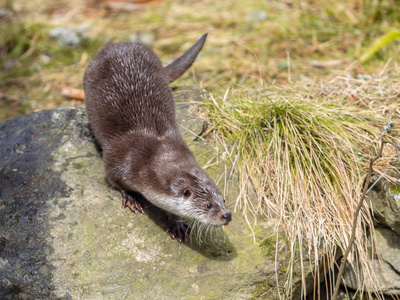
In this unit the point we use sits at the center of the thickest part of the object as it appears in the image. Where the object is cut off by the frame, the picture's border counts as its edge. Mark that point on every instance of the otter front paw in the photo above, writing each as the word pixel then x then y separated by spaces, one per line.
pixel 132 201
pixel 178 229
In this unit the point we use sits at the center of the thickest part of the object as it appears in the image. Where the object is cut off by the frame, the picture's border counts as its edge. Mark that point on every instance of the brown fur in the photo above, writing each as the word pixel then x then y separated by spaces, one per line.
pixel 131 111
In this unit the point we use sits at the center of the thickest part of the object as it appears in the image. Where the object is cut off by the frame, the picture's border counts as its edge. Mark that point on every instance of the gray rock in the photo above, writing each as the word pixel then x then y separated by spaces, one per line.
pixel 64 234
pixel 385 201
pixel 386 269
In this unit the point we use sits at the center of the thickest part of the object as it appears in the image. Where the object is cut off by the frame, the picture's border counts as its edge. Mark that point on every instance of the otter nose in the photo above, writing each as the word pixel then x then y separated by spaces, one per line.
pixel 227 217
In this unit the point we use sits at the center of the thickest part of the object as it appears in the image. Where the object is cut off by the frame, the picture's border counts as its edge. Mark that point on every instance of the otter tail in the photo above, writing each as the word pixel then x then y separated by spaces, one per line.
pixel 180 65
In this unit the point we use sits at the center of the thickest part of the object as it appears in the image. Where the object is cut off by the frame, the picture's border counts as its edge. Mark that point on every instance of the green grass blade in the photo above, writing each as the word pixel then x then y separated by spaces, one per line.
pixel 379 44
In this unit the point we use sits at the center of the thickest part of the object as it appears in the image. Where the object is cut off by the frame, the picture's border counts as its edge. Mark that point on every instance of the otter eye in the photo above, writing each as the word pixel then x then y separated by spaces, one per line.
pixel 187 193
pixel 209 205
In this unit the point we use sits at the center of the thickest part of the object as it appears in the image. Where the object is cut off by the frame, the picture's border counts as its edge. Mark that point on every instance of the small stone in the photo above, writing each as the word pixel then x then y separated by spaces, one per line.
pixel 146 39
pixel 256 15
pixel 44 58
pixel 9 64
pixel 5 12
pixel 65 36
pixel 363 77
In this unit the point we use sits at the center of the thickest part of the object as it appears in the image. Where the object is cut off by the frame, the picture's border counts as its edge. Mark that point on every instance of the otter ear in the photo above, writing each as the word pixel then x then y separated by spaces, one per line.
pixel 180 65
pixel 178 186
pixel 187 194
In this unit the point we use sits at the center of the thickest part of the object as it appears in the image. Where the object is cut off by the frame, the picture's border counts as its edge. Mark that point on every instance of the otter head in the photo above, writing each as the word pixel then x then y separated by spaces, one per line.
pixel 173 181
pixel 200 197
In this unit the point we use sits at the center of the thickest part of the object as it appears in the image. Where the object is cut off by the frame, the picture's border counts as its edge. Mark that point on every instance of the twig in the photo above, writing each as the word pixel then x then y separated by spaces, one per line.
pixel 355 217
pixel 73 93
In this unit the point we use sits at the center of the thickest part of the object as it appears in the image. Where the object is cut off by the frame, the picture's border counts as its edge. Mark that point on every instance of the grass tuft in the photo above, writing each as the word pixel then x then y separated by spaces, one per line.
pixel 17 49
pixel 302 164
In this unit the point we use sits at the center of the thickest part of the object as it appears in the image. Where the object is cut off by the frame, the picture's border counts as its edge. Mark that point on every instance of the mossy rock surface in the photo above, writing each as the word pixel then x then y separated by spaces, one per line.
pixel 64 234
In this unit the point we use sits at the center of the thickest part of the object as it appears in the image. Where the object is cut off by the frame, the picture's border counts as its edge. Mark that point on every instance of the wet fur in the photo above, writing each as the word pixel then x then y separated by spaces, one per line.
pixel 131 111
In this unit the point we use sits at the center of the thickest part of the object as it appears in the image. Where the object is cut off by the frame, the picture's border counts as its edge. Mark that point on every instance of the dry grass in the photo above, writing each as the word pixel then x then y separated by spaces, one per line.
pixel 302 159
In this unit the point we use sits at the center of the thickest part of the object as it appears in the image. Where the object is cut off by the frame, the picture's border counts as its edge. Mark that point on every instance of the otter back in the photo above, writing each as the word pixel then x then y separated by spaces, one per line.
pixel 127 87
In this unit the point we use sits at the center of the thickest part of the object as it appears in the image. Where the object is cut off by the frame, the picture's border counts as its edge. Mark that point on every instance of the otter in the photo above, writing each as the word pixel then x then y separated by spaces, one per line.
pixel 131 113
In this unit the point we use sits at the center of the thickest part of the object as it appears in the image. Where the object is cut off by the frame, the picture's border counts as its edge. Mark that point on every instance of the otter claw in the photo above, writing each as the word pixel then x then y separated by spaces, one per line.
pixel 179 231
pixel 131 202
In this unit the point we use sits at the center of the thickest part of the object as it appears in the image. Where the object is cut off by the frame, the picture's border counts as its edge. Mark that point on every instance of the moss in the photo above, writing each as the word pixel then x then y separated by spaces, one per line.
pixel 269 246
pixel 394 188
pixel 265 289
pixel 77 165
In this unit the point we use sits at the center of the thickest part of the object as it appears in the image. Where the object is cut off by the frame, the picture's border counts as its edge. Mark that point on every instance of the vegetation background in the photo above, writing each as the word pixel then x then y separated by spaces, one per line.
pixel 250 42
pixel 301 89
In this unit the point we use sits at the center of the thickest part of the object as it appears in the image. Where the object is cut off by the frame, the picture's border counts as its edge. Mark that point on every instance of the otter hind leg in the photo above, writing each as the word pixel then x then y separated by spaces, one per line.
pixel 178 229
